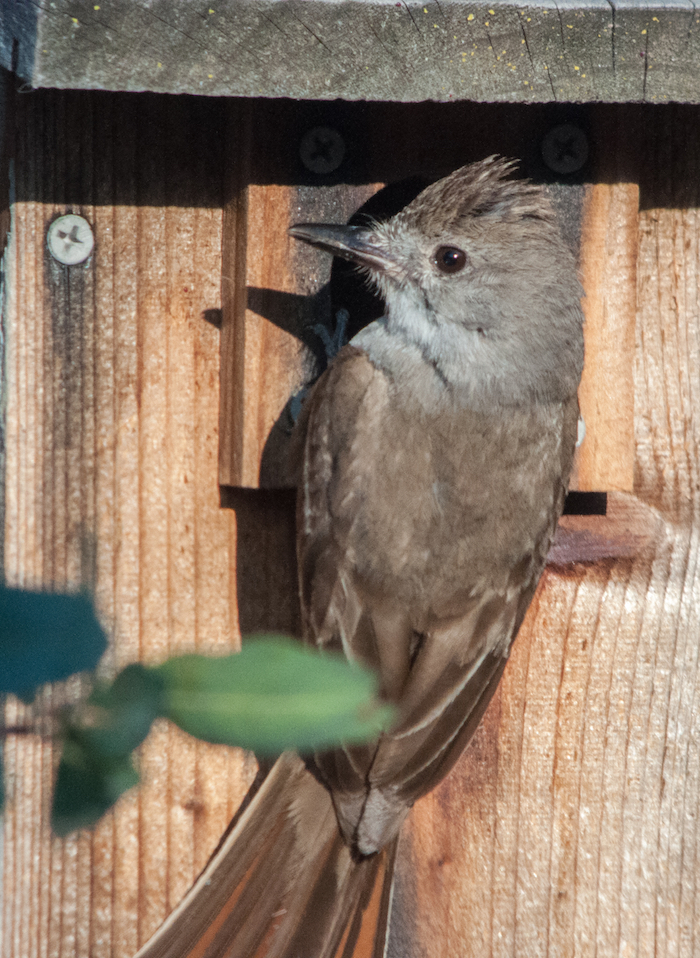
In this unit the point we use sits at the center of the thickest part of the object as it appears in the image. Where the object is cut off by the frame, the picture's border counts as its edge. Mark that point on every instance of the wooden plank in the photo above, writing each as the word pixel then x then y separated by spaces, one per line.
pixel 501 50
pixel 606 394
pixel 274 291
pixel 112 399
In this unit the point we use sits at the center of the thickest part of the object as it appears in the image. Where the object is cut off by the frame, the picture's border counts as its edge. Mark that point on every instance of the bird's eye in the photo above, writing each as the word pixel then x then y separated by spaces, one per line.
pixel 449 259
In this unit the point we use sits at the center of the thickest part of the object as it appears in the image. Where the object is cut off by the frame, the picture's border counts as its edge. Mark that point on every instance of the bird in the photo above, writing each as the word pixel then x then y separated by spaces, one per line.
pixel 433 457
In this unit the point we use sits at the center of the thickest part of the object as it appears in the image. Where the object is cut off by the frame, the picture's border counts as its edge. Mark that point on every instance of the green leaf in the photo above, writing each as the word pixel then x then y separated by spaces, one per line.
pixel 96 764
pixel 118 715
pixel 45 637
pixel 275 695
pixel 86 788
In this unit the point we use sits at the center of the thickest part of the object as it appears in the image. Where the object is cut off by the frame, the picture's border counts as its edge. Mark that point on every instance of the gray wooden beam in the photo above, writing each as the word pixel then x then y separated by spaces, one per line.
pixel 402 50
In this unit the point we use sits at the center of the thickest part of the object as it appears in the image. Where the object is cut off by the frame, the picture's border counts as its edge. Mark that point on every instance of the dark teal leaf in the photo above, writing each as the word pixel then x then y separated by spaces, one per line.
pixel 86 788
pixel 45 637
pixel 119 714
pixel 276 694
pixel 99 738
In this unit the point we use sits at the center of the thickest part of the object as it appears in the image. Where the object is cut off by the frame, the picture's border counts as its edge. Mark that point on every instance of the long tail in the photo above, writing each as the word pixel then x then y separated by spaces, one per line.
pixel 283 884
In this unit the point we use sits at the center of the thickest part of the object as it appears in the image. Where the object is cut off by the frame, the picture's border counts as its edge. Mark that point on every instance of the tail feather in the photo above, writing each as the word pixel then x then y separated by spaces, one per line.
pixel 283 884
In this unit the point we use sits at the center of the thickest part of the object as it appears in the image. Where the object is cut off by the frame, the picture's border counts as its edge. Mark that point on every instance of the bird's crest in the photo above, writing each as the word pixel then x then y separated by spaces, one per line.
pixel 479 189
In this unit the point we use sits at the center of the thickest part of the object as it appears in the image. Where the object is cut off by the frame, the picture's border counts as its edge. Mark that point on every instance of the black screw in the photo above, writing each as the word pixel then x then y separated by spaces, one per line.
pixel 322 150
pixel 565 148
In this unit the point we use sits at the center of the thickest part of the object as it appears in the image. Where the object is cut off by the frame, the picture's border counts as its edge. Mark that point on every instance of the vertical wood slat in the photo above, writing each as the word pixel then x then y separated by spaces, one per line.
pixel 261 363
pixel 264 360
pixel 112 400
pixel 609 275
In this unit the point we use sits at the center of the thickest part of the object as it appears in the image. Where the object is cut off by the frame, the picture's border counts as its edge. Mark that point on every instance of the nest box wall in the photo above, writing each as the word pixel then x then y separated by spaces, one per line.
pixel 569 826
pixel 301 162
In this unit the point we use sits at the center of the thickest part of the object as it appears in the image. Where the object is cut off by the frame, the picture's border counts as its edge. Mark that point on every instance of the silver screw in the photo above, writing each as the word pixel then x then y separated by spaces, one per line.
pixel 70 239
pixel 565 148
pixel 322 149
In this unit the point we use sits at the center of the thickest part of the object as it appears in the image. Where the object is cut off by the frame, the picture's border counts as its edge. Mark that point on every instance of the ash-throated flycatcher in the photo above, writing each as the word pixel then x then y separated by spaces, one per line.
pixel 434 453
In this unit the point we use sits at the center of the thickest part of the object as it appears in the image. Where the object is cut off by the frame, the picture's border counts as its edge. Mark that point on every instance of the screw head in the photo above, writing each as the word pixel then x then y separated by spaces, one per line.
pixel 565 148
pixel 322 150
pixel 70 240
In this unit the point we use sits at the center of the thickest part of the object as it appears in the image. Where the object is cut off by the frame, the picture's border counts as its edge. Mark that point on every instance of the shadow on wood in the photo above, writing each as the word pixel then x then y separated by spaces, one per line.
pixel 266 569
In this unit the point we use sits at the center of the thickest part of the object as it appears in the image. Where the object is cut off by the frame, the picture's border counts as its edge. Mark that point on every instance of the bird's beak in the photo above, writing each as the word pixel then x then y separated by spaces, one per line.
pixel 355 243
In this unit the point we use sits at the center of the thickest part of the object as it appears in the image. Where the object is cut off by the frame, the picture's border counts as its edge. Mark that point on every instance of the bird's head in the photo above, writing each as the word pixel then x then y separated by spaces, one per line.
pixel 476 274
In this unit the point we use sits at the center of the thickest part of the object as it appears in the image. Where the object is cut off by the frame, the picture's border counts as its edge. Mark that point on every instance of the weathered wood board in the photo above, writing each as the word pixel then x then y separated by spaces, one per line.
pixel 412 50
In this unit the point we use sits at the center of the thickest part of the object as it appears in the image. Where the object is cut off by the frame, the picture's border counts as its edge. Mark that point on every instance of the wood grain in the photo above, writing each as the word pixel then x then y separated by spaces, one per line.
pixel 438 50
pixel 112 401
pixel 262 365
pixel 609 275
pixel 273 292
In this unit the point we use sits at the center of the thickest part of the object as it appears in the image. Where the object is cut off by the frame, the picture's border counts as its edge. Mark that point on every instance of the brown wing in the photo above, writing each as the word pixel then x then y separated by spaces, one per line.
pixel 282 884
pixel 421 537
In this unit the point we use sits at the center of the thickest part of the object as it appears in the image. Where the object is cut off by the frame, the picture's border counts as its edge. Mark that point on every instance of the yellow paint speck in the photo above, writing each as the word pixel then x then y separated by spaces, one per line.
pixel 522 41
pixel 470 17
pixel 96 7
pixel 210 75
pixel 577 68
pixel 569 26
pixel 425 9
pixel 583 74
pixel 487 24
pixel 643 32
pixel 210 10
pixel 492 12
pixel 655 19
pixel 75 20
pixel 160 66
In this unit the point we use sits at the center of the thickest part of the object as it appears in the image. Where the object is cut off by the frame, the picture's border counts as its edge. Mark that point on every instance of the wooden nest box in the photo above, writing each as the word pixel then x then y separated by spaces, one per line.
pixel 146 406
